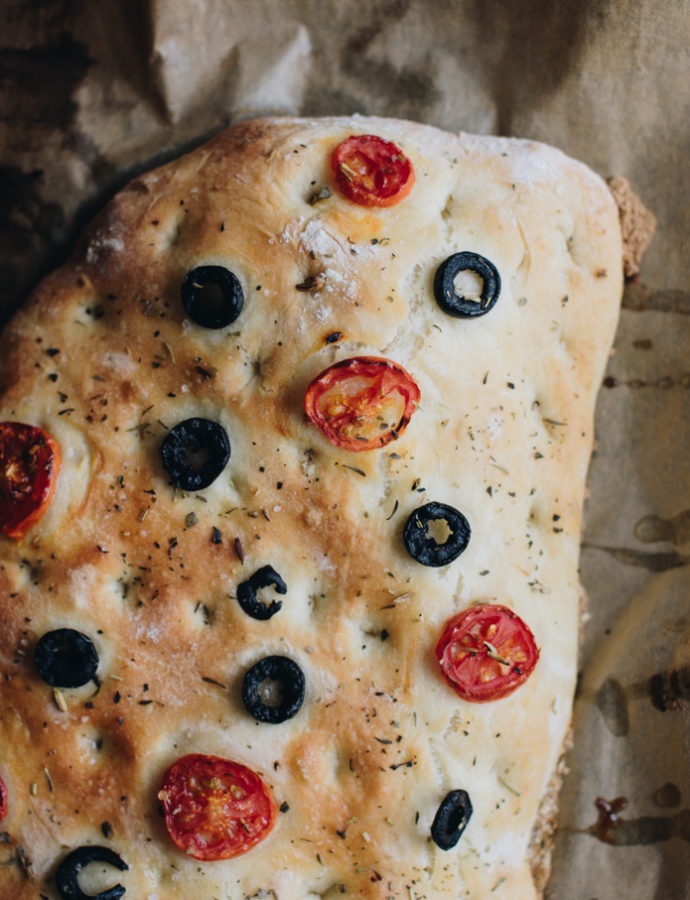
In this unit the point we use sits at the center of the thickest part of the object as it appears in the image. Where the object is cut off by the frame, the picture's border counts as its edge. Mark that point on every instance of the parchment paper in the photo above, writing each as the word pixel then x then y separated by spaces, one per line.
pixel 91 93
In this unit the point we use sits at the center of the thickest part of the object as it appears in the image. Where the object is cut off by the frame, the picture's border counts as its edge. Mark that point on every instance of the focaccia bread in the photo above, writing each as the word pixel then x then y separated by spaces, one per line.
pixel 294 580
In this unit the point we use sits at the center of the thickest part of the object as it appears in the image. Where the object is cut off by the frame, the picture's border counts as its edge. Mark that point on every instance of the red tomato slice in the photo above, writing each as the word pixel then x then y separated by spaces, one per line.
pixel 362 403
pixel 371 171
pixel 29 465
pixel 486 652
pixel 3 799
pixel 215 808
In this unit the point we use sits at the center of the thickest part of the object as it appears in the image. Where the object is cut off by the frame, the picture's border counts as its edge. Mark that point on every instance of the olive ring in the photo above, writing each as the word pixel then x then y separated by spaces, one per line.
pixel 195 452
pixel 65 658
pixel 425 548
pixel 246 593
pixel 456 304
pixel 66 877
pixel 451 819
pixel 291 678
pixel 212 296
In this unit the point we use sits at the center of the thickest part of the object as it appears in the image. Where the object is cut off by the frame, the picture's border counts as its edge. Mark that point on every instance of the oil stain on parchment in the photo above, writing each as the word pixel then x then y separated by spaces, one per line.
pixel 675 530
pixel 648 530
pixel 663 382
pixel 639 297
pixel 611 828
pixel 668 692
pixel 652 562
pixel 612 703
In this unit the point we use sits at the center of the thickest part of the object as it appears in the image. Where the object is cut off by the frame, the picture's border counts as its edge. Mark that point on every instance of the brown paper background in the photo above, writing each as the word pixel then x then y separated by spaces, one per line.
pixel 93 92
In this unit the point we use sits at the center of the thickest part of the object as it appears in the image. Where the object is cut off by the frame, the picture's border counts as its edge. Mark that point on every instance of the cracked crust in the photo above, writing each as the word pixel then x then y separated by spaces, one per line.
pixel 104 358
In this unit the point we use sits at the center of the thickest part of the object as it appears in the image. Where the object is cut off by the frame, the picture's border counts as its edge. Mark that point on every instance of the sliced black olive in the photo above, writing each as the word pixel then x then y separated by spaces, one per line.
pixel 195 452
pixel 66 877
pixel 212 296
pixel 65 658
pixel 451 819
pixel 456 304
pixel 246 593
pixel 423 546
pixel 280 672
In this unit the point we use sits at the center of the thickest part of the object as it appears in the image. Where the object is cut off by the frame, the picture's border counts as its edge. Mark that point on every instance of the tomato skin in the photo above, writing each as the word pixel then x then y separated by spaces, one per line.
pixel 469 645
pixel 4 799
pixel 215 808
pixel 29 466
pixel 371 171
pixel 353 395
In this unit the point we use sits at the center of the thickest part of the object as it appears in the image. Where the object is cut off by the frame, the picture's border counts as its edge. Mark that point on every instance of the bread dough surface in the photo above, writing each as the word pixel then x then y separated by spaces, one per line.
pixel 104 358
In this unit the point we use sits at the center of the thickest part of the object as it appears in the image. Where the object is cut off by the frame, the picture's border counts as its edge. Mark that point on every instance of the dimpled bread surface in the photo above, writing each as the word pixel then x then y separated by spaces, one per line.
pixel 104 358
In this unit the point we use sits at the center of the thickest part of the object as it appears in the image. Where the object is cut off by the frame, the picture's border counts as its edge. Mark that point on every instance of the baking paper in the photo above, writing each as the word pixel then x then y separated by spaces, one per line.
pixel 92 93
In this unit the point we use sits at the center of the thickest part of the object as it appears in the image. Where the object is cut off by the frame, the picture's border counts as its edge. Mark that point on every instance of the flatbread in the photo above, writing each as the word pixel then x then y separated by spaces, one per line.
pixel 105 359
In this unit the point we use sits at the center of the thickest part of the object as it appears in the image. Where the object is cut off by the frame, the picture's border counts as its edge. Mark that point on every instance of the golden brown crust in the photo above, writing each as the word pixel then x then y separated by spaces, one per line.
pixel 104 358
pixel 638 224
pixel 541 842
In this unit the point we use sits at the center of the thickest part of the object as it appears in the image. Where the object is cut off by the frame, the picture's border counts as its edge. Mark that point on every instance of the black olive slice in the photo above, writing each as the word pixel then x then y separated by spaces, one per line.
pixel 65 658
pixel 290 678
pixel 246 593
pixel 424 547
pixel 195 452
pixel 66 877
pixel 212 296
pixel 451 819
pixel 456 304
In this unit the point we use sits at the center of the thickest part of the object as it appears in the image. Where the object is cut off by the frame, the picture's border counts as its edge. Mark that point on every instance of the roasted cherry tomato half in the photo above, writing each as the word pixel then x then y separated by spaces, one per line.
pixel 4 797
pixel 486 652
pixel 29 465
pixel 362 403
pixel 215 808
pixel 371 171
